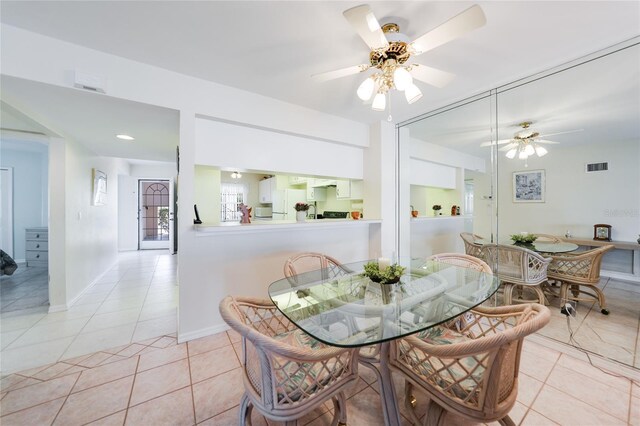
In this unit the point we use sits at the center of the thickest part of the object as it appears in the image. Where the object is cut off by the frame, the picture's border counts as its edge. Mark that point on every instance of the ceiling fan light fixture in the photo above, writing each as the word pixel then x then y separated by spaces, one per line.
pixel 523 155
pixel 540 150
pixel 365 90
pixel 402 78
pixel 412 93
pixel 236 175
pixel 511 154
pixel 379 102
pixel 528 149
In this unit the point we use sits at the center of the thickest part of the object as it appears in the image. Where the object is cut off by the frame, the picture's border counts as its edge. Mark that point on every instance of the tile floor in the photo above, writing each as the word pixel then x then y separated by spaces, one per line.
pixel 135 300
pixel 26 289
pixel 614 336
pixel 160 382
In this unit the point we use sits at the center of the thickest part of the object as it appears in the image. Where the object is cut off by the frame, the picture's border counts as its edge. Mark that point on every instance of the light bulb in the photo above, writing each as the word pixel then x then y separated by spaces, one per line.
pixel 379 102
pixel 402 78
pixel 529 150
pixel 365 90
pixel 523 155
pixel 540 150
pixel 511 153
pixel 412 93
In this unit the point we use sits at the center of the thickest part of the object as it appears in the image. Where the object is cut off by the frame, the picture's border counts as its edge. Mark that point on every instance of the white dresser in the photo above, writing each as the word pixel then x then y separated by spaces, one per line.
pixel 37 246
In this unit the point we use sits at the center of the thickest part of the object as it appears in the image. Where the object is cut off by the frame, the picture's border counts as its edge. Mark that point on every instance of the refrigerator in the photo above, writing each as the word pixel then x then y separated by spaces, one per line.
pixel 283 201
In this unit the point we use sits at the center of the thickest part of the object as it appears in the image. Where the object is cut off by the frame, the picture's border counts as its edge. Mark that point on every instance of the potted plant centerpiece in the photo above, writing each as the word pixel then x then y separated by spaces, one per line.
pixel 301 211
pixel 380 273
pixel 436 208
pixel 523 239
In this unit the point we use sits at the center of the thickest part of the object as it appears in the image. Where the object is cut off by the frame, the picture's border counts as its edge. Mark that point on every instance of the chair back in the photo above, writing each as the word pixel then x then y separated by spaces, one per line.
pixel 325 266
pixel 515 264
pixel 285 370
pixel 473 371
pixel 582 268
pixel 463 260
pixel 470 246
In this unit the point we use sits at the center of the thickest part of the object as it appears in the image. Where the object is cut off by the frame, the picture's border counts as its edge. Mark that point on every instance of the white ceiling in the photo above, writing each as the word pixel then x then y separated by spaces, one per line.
pixel 273 48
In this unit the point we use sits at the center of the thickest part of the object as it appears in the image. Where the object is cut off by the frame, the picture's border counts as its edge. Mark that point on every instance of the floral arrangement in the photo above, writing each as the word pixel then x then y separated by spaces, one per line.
pixel 437 207
pixel 301 207
pixel 389 275
pixel 524 238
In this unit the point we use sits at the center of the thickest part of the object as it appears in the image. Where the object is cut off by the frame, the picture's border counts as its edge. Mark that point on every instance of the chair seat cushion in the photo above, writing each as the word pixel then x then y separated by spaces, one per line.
pixel 460 377
pixel 295 380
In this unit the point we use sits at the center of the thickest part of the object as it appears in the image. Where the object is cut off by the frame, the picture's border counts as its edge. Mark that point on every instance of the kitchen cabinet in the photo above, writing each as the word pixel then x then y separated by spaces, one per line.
pixel 265 190
pixel 316 193
pixel 297 180
pixel 349 189
pixel 37 246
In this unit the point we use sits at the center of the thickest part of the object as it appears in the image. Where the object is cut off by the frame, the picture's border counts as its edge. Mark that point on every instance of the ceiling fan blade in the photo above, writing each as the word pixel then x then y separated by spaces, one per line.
pixel 509 146
pixel 432 76
pixel 500 142
pixel 343 72
pixel 367 26
pixel 560 133
pixel 543 141
pixel 455 27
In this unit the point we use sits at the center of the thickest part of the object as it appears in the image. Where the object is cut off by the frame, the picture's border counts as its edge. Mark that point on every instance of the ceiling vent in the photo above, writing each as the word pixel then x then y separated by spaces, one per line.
pixel 597 167
pixel 85 81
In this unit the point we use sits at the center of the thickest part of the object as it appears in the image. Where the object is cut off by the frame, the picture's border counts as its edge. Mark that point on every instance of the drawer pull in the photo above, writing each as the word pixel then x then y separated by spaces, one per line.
pixel 37 245
pixel 37 235
pixel 37 256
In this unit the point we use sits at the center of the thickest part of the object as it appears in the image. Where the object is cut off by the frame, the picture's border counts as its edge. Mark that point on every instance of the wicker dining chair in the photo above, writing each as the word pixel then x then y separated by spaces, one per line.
pixel 471 372
pixel 517 267
pixel 470 246
pixel 463 260
pixel 327 266
pixel 574 271
pixel 286 373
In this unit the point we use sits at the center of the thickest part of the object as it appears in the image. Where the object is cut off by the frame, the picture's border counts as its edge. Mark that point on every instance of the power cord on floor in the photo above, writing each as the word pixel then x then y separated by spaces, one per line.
pixel 570 312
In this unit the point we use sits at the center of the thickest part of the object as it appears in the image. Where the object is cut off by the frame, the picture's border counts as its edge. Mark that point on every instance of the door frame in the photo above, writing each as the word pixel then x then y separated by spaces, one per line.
pixel 156 245
pixel 8 211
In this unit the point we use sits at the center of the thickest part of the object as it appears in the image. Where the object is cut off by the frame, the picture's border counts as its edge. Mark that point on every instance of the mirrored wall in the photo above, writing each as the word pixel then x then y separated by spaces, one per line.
pixel 553 154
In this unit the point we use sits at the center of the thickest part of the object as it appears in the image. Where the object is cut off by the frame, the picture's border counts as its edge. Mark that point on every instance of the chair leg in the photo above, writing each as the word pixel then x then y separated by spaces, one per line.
pixel 435 415
pixel 508 293
pixel 410 402
pixel 541 296
pixel 506 421
pixel 245 411
pixel 601 300
pixel 339 409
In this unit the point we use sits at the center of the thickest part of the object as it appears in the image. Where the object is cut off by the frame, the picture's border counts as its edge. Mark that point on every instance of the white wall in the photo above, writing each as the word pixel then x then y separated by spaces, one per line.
pixel 240 147
pixel 90 245
pixel 436 235
pixel 427 151
pixel 576 200
pixel 29 161
pixel 427 173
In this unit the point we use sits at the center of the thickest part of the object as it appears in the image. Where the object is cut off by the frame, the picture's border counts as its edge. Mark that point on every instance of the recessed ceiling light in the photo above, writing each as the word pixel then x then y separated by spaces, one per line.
pixel 125 137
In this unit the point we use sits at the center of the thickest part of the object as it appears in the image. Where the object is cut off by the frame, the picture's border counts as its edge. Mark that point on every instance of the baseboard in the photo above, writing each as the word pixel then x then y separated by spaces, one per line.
pixel 57 308
pixel 82 293
pixel 185 337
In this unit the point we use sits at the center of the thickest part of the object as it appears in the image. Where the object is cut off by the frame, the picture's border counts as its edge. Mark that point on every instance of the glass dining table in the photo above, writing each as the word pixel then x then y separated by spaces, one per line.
pixel 538 246
pixel 341 307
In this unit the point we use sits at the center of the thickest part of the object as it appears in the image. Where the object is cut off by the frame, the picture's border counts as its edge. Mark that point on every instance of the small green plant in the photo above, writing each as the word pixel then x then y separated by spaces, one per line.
pixel 437 207
pixel 389 275
pixel 523 238
pixel 301 207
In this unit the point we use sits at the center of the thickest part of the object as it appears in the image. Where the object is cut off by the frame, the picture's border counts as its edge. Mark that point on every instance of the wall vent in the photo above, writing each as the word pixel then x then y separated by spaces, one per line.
pixel 597 167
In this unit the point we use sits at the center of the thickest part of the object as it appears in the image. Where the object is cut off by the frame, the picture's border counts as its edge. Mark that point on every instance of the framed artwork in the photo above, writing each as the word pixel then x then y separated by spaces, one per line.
pixel 529 186
pixel 99 197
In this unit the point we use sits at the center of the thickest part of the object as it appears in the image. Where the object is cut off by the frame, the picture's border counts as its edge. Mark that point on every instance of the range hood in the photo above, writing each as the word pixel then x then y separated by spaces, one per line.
pixel 319 183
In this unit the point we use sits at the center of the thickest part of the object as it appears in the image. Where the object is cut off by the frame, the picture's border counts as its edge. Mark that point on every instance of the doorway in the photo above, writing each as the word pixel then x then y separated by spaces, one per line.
pixel 6 207
pixel 155 214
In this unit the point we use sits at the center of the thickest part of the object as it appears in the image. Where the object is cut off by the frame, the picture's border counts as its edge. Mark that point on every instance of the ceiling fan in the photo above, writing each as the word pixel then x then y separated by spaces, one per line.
pixel 526 142
pixel 391 51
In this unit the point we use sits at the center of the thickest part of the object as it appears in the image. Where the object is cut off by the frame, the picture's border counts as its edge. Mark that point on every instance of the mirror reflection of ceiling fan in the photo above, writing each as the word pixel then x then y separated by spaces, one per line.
pixel 526 142
pixel 391 51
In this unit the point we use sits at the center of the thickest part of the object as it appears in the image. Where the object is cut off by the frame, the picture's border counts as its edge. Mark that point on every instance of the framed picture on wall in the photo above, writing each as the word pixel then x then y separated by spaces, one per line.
pixel 529 186
pixel 99 197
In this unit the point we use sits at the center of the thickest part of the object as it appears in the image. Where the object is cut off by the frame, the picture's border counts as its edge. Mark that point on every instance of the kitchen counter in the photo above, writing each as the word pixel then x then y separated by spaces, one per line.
pixel 278 225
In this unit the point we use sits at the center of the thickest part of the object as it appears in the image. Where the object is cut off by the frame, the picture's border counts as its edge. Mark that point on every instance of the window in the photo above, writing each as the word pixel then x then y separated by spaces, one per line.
pixel 231 196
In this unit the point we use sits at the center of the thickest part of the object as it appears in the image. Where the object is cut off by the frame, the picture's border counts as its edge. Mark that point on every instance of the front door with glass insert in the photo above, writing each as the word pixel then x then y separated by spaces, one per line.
pixel 155 214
